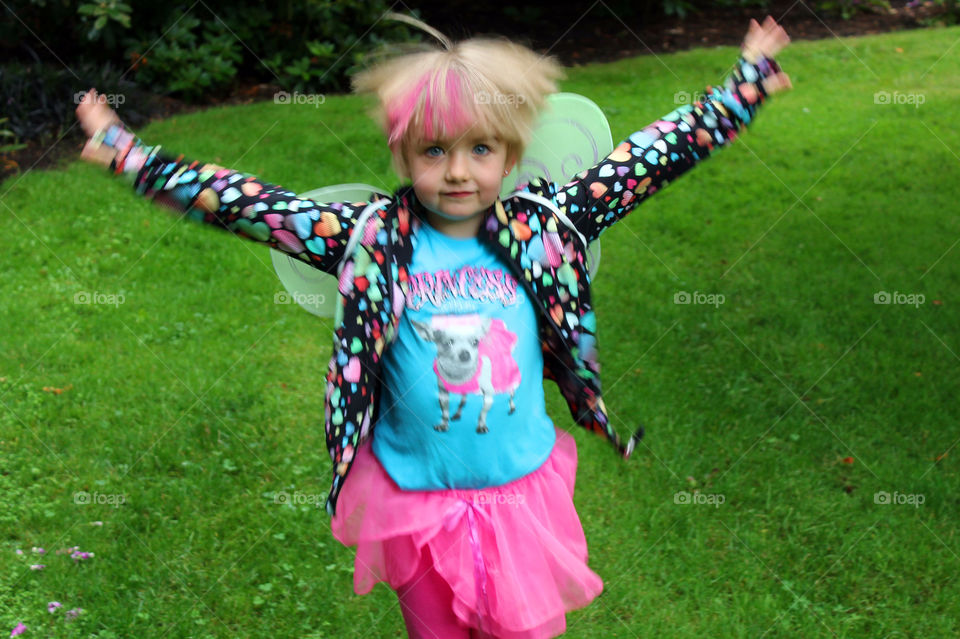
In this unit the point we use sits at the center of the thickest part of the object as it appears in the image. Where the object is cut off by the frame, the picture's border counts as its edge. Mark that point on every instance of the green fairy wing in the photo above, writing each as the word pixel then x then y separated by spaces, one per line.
pixel 571 135
pixel 313 289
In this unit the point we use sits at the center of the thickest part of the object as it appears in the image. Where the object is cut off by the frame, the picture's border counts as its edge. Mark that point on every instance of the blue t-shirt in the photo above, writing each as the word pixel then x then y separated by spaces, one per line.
pixel 462 403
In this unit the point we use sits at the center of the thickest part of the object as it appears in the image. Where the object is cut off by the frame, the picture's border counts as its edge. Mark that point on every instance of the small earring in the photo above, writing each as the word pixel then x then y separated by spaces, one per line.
pixel 506 173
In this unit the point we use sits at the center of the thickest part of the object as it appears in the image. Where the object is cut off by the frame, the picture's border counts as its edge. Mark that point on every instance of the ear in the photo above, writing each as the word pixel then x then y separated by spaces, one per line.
pixel 511 161
pixel 423 331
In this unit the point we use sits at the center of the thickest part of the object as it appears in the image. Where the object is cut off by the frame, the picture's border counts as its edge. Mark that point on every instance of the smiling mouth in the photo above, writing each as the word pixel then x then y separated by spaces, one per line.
pixel 458 193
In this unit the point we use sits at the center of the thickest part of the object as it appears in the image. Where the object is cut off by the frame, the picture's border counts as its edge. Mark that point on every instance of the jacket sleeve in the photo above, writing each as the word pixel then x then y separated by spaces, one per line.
pixel 313 232
pixel 650 158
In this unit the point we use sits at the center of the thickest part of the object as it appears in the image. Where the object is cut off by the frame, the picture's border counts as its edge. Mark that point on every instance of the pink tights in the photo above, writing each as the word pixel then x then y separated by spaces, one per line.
pixel 426 602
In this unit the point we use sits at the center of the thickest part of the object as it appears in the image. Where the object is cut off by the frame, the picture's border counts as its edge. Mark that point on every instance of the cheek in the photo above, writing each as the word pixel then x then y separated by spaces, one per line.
pixel 423 178
pixel 494 178
pixel 426 170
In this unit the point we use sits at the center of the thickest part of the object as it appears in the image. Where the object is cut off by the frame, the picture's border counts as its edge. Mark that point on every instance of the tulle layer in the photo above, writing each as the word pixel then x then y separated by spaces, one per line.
pixel 514 555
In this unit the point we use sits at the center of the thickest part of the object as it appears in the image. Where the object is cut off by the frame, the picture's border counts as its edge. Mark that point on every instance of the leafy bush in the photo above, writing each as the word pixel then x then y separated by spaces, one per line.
pixel 190 60
pixel 947 11
pixel 8 139
pixel 54 51
pixel 190 51
pixel 846 9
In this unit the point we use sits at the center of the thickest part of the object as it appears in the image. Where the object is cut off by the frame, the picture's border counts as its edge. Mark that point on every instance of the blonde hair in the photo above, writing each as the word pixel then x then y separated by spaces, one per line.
pixel 439 92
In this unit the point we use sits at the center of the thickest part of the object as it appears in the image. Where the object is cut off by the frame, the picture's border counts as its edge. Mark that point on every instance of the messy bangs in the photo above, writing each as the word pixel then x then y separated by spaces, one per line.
pixel 440 105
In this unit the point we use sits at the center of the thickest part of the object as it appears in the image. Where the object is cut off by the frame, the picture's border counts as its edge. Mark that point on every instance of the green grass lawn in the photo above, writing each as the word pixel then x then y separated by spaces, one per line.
pixel 195 399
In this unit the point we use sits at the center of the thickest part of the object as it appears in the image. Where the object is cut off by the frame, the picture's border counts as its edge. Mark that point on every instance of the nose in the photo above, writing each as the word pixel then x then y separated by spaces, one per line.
pixel 457 167
pixel 464 356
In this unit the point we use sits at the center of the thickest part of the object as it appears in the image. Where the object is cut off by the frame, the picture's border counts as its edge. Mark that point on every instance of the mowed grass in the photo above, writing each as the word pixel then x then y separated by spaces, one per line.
pixel 783 403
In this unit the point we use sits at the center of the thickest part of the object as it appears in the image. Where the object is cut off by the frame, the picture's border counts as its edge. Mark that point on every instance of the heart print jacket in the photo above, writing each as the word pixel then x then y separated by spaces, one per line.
pixel 541 231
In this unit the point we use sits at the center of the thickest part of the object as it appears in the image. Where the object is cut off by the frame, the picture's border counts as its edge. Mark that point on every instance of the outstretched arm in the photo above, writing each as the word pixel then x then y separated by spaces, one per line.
pixel 650 158
pixel 316 233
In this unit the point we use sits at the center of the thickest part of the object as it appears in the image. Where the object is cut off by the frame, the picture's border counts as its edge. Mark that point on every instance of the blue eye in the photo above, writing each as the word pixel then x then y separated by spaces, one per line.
pixel 432 155
pixel 483 146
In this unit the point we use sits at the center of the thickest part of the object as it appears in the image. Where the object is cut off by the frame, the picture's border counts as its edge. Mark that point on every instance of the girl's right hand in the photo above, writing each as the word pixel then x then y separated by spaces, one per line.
pixel 94 115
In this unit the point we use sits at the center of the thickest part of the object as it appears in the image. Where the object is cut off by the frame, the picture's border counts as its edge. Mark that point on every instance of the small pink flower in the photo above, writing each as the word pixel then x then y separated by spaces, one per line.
pixel 78 556
pixel 53 605
pixel 72 614
pixel 38 551
pixel 19 552
pixel 18 630
pixel 37 566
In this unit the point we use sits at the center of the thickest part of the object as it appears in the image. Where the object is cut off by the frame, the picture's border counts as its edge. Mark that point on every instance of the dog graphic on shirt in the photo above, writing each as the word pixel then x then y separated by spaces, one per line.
pixel 474 357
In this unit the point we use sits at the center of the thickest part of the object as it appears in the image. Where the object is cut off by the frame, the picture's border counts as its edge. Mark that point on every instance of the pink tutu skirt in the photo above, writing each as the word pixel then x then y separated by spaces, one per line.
pixel 514 555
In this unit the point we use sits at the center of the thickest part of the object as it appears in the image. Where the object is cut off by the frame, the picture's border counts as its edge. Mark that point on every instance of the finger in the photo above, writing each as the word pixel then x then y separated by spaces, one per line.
pixel 772 29
pixel 777 40
pixel 85 115
pixel 754 32
pixel 87 102
pixel 83 100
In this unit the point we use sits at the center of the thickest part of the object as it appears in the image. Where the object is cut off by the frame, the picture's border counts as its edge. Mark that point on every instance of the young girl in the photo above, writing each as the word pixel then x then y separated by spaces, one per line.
pixel 456 304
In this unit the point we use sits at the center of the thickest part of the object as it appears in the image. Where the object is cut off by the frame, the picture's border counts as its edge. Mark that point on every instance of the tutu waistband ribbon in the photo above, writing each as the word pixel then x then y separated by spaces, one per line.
pixel 450 521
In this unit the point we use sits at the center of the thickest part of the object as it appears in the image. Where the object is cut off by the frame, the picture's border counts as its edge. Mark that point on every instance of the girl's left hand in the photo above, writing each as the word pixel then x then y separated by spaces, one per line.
pixel 767 41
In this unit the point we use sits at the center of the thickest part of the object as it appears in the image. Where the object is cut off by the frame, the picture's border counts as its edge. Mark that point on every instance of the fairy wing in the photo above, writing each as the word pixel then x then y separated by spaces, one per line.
pixel 571 135
pixel 313 289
